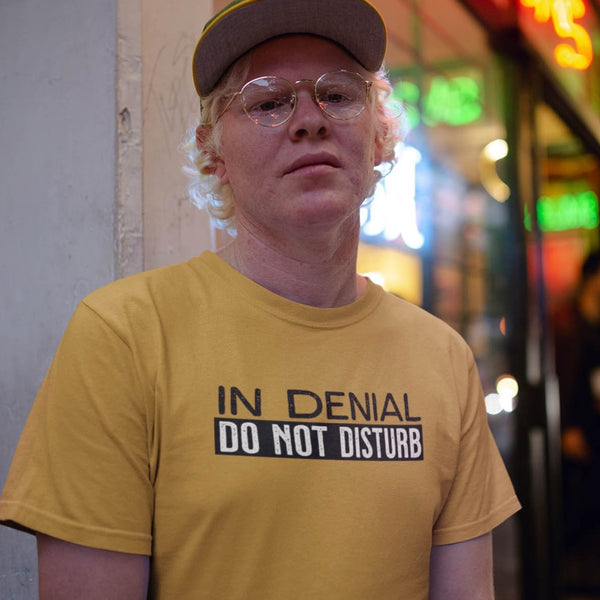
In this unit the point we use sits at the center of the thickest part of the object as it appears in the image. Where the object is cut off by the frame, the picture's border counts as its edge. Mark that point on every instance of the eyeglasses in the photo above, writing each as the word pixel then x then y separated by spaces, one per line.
pixel 270 101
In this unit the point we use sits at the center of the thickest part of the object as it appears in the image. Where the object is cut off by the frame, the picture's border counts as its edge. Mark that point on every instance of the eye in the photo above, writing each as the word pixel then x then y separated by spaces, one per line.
pixel 335 97
pixel 259 101
pixel 269 105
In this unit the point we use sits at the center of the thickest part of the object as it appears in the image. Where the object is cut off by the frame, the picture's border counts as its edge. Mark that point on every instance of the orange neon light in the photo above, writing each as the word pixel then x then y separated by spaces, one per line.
pixel 563 14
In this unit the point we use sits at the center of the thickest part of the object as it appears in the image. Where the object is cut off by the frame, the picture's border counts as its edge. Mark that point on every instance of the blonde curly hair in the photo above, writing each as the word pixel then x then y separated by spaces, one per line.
pixel 205 189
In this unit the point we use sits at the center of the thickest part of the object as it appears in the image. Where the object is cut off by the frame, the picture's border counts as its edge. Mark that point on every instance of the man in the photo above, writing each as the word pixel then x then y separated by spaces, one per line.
pixel 577 342
pixel 265 423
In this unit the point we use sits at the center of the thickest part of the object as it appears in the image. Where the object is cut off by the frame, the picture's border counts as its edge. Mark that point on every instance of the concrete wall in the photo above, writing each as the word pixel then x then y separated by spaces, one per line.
pixel 57 196
pixel 90 182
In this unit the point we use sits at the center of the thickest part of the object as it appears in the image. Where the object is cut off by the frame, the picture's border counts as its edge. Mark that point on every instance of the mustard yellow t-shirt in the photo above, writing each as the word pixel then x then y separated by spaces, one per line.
pixel 255 447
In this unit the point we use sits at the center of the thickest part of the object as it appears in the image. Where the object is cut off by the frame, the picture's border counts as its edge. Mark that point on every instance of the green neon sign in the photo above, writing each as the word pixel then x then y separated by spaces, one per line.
pixel 406 94
pixel 451 101
pixel 569 211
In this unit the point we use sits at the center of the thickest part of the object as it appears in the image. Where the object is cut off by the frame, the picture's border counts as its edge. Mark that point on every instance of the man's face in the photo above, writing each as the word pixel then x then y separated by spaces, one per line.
pixel 311 172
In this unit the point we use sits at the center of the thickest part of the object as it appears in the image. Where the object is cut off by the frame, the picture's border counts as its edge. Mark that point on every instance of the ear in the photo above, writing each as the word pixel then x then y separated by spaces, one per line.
pixel 215 165
pixel 202 134
pixel 220 171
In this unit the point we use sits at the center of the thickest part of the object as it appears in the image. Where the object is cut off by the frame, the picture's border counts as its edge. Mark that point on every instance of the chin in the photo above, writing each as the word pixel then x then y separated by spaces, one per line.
pixel 327 211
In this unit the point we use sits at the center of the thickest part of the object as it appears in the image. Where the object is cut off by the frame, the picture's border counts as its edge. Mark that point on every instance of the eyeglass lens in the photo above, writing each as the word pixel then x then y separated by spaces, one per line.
pixel 270 101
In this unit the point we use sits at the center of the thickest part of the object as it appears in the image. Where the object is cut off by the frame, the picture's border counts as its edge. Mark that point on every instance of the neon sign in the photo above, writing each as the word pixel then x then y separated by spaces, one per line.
pixel 569 211
pixel 563 14
pixel 449 100
pixel 392 213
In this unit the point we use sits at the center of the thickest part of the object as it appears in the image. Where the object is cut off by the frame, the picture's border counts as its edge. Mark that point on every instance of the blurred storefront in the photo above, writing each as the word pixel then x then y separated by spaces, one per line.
pixel 487 215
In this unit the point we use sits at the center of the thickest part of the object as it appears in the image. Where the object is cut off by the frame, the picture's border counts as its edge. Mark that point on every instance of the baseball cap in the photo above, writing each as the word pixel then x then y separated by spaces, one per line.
pixel 356 25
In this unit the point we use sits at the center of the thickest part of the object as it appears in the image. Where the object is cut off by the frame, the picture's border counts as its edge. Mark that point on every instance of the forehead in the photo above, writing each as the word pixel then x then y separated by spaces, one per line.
pixel 300 57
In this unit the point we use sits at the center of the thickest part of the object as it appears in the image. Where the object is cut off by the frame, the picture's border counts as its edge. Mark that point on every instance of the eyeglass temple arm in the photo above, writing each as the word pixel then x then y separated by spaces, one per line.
pixel 227 105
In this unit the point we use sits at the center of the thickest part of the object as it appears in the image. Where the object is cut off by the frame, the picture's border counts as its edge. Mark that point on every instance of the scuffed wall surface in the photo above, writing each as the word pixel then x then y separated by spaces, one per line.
pixel 57 201
pixel 173 229
pixel 129 228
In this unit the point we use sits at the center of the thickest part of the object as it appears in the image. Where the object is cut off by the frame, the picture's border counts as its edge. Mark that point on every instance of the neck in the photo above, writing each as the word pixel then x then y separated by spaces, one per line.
pixel 317 272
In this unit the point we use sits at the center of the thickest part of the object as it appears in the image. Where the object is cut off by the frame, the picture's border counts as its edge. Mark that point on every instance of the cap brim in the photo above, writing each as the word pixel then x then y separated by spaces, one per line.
pixel 354 24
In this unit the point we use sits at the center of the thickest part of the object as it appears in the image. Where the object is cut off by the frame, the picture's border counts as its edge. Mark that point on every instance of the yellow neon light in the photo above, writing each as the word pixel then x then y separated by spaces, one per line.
pixel 563 14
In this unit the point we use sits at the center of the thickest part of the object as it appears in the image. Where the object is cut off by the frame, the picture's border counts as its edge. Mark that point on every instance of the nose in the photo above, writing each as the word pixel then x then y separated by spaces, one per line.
pixel 308 119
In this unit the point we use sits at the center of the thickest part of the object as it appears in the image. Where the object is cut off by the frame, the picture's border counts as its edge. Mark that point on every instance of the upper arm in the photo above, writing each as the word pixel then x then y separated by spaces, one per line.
pixel 462 570
pixel 70 571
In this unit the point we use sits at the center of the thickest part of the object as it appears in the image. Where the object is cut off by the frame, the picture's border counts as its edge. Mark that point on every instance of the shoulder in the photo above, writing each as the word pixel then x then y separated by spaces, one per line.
pixel 429 346
pixel 168 280
pixel 148 301
pixel 422 327
pixel 149 290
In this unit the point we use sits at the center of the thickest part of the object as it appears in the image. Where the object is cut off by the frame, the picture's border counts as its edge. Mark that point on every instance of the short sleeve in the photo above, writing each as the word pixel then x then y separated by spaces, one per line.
pixel 81 470
pixel 482 495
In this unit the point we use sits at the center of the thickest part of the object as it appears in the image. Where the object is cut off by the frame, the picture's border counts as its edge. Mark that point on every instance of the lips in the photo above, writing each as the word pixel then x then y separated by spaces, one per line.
pixel 312 160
